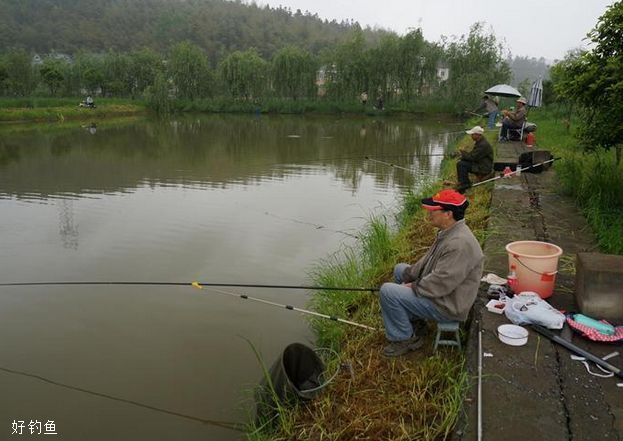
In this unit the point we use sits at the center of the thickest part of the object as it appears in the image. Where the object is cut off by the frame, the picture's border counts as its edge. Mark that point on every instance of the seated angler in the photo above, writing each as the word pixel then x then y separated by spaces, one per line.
pixel 478 161
pixel 514 119
pixel 441 286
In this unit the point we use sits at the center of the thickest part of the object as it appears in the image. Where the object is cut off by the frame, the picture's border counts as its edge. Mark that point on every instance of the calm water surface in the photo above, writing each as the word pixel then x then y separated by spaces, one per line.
pixel 237 199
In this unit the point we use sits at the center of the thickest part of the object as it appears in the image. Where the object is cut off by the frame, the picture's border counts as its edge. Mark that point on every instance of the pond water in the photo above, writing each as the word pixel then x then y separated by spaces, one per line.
pixel 223 199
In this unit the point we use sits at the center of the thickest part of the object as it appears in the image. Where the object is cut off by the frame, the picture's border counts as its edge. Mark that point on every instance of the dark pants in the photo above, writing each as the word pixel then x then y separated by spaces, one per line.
pixel 506 124
pixel 463 168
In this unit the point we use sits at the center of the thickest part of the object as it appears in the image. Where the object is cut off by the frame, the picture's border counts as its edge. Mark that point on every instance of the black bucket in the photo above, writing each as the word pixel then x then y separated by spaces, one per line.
pixel 297 374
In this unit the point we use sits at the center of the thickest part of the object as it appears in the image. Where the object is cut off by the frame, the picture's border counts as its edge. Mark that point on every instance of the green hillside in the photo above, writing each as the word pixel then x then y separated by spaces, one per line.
pixel 217 26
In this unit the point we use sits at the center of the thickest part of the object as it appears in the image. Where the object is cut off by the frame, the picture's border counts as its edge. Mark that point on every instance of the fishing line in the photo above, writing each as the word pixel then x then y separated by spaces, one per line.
pixel 316 226
pixel 235 285
pixel 288 307
pixel 389 164
pixel 224 424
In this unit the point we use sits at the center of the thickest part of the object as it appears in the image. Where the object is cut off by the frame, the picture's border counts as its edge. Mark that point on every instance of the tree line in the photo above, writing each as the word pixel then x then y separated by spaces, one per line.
pixel 401 69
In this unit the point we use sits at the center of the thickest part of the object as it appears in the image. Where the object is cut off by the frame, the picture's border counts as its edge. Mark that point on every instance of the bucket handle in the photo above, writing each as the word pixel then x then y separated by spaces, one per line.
pixel 337 371
pixel 553 273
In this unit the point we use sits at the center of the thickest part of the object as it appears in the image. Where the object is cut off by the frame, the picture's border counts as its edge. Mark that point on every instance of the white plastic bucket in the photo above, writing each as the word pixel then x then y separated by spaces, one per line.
pixel 536 265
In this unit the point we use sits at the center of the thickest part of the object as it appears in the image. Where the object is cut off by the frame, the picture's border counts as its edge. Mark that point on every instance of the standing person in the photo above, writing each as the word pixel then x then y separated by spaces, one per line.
pixel 514 119
pixel 478 161
pixel 379 102
pixel 491 107
pixel 441 286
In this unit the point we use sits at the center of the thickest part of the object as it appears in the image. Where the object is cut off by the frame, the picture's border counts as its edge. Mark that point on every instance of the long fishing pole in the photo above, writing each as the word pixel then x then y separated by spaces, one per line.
pixel 506 175
pixel 288 307
pixel 234 285
pixel 389 164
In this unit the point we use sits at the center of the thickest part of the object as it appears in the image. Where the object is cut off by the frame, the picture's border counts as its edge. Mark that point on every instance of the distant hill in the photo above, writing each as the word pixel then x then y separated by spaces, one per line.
pixel 527 70
pixel 218 26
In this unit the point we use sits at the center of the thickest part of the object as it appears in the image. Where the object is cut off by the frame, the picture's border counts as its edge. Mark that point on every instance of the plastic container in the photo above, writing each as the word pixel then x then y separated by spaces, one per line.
pixel 536 265
pixel 511 279
pixel 513 335
pixel 530 139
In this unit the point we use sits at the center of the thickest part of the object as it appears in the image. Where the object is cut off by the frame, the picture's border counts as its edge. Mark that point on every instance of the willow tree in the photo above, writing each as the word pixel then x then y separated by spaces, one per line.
pixel 476 63
pixel 145 65
pixel 594 81
pixel 348 75
pixel 294 73
pixel 188 68
pixel 245 74
pixel 383 65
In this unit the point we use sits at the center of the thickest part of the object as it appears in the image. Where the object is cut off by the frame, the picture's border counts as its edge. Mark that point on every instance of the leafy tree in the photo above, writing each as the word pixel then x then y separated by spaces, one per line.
pixel 475 63
pixel 87 74
pixel 294 73
pixel 244 74
pixel 20 78
pixel 145 65
pixel 348 76
pixel 117 79
pixel 190 72
pixel 52 74
pixel 594 81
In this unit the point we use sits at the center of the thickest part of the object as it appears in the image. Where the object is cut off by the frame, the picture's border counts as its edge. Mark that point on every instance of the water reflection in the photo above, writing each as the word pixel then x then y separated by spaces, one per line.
pixel 214 152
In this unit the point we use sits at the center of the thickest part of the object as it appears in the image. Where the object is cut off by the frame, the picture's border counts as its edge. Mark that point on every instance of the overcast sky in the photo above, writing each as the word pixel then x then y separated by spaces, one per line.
pixel 535 28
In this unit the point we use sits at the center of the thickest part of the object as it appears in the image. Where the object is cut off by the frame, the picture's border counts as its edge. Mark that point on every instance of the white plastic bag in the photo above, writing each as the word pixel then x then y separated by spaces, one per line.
pixel 529 308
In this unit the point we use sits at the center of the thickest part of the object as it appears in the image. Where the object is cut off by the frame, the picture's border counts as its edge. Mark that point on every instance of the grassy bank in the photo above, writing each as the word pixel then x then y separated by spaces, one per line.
pixel 593 179
pixel 61 109
pixel 323 106
pixel 414 397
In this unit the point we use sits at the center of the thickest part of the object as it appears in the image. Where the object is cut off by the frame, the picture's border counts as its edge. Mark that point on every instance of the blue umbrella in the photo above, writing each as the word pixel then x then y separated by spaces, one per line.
pixel 536 94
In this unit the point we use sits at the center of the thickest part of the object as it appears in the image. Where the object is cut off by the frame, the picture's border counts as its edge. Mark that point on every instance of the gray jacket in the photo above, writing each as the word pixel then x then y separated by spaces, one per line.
pixel 449 273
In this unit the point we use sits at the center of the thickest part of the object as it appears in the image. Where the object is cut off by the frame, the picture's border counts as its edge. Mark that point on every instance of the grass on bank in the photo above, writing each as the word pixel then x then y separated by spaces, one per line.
pixel 418 396
pixel 593 179
pixel 61 109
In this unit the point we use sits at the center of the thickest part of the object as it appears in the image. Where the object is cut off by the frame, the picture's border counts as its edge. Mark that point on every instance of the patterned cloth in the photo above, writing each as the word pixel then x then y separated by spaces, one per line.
pixel 595 335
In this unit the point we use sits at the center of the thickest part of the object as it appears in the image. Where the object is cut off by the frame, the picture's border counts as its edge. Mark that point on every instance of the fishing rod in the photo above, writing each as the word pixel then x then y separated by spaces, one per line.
pixel 234 285
pixel 517 170
pixel 288 307
pixel 377 156
pixel 394 165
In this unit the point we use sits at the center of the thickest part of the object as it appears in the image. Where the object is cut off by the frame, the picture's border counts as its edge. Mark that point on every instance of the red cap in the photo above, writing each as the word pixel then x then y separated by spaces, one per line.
pixel 444 200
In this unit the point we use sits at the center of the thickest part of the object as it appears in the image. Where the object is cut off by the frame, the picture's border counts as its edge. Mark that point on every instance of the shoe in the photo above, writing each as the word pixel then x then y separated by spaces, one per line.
pixel 503 139
pixel 398 348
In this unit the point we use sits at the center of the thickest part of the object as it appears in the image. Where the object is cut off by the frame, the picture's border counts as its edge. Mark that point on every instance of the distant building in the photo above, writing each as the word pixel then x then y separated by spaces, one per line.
pixel 443 73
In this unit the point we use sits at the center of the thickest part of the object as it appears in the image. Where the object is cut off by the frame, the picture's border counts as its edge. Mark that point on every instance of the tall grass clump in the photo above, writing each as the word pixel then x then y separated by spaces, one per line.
pixel 592 178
